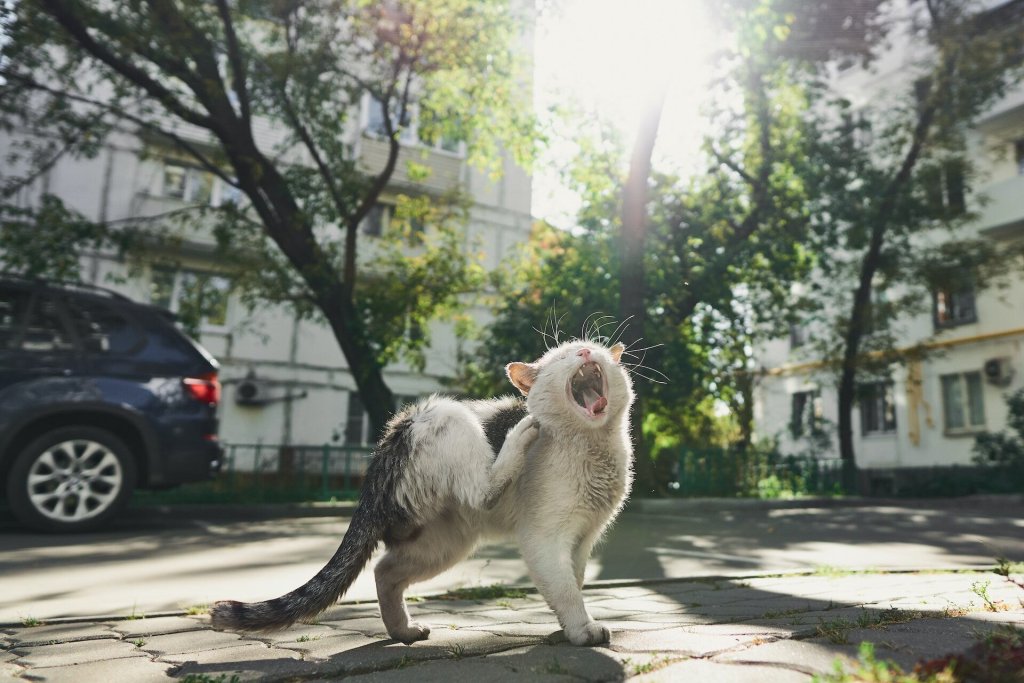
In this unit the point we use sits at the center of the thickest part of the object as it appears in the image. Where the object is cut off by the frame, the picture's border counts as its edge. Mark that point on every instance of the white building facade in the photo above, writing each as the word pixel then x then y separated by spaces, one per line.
pixel 306 395
pixel 928 411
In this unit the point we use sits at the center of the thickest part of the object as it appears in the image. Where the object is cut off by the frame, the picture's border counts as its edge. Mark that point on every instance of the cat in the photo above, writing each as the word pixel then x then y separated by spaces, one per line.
pixel 551 470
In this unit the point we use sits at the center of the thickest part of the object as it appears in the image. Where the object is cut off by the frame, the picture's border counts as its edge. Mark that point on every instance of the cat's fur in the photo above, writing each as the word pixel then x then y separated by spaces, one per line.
pixel 551 471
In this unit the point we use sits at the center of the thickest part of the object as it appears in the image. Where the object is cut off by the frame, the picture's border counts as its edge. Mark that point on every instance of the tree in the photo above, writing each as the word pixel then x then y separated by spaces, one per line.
pixel 887 179
pixel 201 77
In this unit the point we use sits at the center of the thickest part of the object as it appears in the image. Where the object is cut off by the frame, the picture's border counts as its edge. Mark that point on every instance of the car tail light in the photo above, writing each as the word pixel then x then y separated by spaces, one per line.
pixel 205 388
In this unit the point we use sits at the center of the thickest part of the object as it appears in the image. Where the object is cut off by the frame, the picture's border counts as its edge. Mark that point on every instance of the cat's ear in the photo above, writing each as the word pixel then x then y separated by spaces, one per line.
pixel 522 375
pixel 617 350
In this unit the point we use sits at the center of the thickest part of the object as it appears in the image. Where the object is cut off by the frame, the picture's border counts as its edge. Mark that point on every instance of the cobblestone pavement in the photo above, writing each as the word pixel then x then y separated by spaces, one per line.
pixel 766 628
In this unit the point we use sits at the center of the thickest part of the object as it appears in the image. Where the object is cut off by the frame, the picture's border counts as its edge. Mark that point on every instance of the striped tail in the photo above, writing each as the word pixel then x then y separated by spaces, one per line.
pixel 316 595
pixel 378 512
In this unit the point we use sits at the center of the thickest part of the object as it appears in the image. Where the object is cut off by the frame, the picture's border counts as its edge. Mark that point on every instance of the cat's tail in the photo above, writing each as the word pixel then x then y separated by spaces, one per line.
pixel 378 512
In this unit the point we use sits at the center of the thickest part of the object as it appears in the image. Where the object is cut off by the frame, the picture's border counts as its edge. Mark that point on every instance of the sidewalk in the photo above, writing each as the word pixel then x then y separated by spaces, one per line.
pixel 768 629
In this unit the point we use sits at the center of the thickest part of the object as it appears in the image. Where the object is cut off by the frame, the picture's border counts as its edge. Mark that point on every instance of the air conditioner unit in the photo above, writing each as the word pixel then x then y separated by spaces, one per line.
pixel 253 392
pixel 998 371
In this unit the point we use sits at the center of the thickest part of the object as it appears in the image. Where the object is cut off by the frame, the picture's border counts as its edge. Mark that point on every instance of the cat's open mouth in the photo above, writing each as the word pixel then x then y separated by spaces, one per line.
pixel 587 388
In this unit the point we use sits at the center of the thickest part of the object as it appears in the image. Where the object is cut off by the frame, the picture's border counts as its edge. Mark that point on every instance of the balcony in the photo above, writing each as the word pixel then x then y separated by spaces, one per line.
pixel 1003 214
pixel 445 168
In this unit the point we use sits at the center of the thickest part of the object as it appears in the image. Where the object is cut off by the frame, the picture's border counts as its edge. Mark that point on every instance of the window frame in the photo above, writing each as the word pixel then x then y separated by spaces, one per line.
pixel 969 427
pixel 881 393
pixel 811 408
pixel 177 288
pixel 951 294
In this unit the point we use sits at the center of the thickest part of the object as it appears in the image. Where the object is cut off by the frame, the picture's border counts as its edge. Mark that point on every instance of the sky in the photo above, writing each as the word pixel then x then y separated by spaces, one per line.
pixel 610 57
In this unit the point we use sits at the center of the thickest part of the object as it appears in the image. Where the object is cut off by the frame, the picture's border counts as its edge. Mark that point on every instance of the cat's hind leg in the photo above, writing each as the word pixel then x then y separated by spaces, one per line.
pixel 425 553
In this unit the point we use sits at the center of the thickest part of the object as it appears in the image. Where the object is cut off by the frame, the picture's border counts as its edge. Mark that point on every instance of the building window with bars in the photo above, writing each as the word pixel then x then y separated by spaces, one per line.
pixel 952 307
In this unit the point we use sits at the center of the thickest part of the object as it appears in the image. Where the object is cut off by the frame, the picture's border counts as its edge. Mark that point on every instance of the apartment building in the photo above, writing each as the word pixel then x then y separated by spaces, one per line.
pixel 929 409
pixel 285 379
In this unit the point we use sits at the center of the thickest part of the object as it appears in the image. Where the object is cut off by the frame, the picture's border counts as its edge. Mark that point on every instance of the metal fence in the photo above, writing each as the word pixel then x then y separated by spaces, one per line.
pixel 255 473
pixel 721 472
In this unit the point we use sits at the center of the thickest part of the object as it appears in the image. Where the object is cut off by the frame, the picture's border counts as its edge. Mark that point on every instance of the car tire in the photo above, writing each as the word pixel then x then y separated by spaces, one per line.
pixel 71 479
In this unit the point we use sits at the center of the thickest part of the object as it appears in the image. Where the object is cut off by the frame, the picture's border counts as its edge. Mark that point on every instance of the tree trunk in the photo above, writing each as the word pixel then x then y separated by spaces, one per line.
pixel 632 283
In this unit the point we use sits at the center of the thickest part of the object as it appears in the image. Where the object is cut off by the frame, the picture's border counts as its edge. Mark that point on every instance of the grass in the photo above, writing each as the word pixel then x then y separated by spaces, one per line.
pixel 29 622
pixel 207 678
pixel 138 642
pixel 494 591
pixel 456 651
pixel 404 663
pixel 997 656
pixel 837 630
pixel 306 639
pixel 134 615
pixel 554 667
pixel 196 610
pixel 870 670
pixel 655 663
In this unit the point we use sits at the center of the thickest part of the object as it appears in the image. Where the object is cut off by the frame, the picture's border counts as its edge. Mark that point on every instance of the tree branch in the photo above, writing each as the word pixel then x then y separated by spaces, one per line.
pixel 107 108
pixel 237 60
pixel 68 18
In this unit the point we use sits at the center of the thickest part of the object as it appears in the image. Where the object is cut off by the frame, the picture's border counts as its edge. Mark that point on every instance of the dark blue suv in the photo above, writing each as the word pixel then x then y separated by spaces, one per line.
pixel 98 395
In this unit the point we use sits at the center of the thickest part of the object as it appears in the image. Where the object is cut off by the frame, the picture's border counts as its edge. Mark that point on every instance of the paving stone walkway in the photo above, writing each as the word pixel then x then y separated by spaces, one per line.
pixel 768 629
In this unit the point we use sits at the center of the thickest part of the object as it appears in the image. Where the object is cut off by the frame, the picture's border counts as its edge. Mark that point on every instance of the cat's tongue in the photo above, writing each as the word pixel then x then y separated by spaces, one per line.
pixel 595 402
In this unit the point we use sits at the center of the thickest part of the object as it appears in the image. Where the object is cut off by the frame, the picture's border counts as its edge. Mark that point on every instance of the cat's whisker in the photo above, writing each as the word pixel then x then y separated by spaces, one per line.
pixel 619 330
pixel 586 327
pixel 600 325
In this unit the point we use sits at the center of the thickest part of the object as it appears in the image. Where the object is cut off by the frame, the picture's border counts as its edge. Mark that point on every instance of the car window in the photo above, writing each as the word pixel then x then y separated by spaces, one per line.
pixel 101 328
pixel 45 331
pixel 13 308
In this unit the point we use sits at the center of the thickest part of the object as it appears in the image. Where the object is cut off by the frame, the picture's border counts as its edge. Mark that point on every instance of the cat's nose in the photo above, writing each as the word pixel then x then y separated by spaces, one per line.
pixel 585 353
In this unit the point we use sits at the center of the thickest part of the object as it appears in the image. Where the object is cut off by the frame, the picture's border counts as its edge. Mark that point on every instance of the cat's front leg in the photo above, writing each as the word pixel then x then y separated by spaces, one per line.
pixel 551 565
pixel 509 462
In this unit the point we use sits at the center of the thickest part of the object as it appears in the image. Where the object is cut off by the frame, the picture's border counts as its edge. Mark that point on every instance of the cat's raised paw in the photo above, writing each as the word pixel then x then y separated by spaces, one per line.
pixel 592 633
pixel 411 633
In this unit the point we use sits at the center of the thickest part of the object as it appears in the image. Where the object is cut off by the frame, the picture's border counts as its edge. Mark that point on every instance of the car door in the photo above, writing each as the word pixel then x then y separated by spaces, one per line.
pixel 38 354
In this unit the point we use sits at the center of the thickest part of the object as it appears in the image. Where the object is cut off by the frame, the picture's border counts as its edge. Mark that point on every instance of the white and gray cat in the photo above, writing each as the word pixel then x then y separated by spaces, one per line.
pixel 551 471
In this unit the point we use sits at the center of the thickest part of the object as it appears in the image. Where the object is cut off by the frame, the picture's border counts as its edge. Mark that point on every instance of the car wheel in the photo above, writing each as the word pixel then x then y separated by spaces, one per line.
pixel 71 479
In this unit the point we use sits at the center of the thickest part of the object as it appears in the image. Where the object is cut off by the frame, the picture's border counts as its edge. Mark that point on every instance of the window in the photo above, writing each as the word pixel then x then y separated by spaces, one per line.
pixel 13 309
pixel 962 402
pixel 376 220
pixel 797 336
pixel 225 193
pixel 807 413
pixel 193 295
pixel 408 128
pixel 944 188
pixel 954 307
pixel 877 315
pixel 101 329
pixel 187 183
pixel 45 331
pixel 1018 154
pixel 357 422
pixel 375 121
pixel 877 408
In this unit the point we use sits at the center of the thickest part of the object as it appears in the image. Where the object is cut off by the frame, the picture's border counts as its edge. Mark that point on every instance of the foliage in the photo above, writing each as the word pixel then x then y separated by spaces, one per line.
pixel 892 185
pixel 265 96
pixel 1004 448
pixel 757 471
